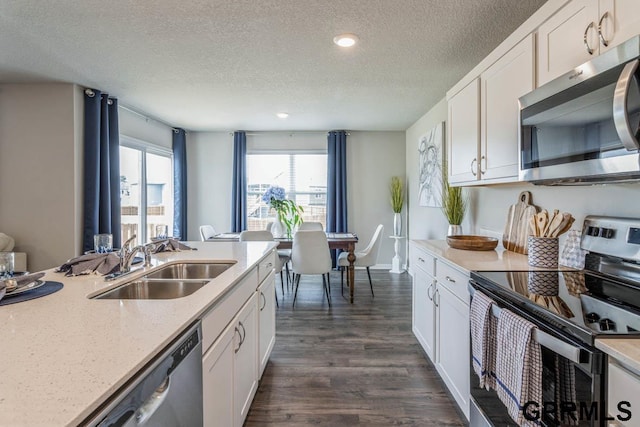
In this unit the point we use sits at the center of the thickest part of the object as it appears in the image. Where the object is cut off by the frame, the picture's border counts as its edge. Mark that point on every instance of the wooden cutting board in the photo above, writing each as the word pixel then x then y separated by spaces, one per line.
pixel 516 230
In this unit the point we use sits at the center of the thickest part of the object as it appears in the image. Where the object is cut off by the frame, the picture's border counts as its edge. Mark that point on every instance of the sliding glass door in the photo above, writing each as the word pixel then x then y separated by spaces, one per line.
pixel 146 190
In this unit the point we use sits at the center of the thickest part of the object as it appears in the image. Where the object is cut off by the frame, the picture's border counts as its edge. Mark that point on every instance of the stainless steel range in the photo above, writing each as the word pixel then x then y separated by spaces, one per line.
pixel 571 309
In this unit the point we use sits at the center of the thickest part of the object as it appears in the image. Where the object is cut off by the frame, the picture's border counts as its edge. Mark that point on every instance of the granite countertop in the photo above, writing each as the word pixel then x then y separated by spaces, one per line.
pixel 65 354
pixel 625 350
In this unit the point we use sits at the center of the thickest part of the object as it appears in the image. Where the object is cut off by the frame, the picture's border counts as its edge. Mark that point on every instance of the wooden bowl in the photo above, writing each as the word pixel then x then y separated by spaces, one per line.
pixel 472 243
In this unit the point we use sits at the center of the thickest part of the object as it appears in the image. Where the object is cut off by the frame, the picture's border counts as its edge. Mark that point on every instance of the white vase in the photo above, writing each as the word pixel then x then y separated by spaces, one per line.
pixel 454 230
pixel 397 224
pixel 278 229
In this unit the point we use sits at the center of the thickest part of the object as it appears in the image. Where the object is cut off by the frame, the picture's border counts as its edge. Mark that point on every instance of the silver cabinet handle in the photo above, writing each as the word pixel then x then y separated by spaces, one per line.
pixel 450 279
pixel 270 265
pixel 240 343
pixel 584 38
pixel 628 137
pixel 485 165
pixel 604 41
pixel 244 332
pixel 420 259
pixel 436 301
pixel 264 300
pixel 429 291
pixel 472 168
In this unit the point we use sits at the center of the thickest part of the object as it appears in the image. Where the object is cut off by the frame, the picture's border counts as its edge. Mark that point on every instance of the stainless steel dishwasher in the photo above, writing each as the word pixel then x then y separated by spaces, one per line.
pixel 166 393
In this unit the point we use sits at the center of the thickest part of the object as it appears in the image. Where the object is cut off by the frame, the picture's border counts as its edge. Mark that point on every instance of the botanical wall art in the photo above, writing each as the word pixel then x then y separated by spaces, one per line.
pixel 430 167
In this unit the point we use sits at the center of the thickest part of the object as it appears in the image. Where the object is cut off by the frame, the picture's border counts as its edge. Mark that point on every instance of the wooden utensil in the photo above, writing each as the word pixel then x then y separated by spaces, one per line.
pixel 560 228
pixel 516 229
pixel 542 219
pixel 554 224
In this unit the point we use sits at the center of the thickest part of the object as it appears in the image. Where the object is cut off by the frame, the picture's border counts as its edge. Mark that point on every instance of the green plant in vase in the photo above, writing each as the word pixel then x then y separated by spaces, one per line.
pixel 454 205
pixel 397 201
pixel 288 212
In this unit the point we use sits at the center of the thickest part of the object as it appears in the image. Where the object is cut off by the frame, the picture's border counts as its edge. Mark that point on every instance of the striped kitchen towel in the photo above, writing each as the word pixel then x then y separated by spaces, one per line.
pixel 518 366
pixel 483 343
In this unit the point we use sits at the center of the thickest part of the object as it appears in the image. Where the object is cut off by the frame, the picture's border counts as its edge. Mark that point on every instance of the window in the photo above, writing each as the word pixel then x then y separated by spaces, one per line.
pixel 146 186
pixel 302 175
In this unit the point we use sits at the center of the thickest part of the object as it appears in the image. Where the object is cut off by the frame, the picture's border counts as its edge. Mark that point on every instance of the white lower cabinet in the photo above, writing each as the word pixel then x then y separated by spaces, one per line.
pixel 453 346
pixel 267 323
pixel 238 334
pixel 230 370
pixel 441 320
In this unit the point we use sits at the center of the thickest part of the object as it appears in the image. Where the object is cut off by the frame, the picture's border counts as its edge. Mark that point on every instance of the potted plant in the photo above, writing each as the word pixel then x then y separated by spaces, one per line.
pixel 397 200
pixel 454 205
pixel 288 213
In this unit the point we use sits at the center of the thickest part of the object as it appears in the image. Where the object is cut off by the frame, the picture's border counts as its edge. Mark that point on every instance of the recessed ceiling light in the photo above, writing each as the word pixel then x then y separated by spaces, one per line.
pixel 283 115
pixel 345 40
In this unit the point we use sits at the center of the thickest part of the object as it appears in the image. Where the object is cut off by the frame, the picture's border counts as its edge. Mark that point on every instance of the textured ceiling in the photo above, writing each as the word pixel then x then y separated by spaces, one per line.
pixel 232 64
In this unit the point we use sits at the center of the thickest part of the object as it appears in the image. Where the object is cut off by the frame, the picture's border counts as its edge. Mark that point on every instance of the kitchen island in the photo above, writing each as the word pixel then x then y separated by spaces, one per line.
pixel 65 354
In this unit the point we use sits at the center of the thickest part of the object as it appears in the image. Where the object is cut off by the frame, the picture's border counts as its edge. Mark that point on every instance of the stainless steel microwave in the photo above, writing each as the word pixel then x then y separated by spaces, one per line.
pixel 583 127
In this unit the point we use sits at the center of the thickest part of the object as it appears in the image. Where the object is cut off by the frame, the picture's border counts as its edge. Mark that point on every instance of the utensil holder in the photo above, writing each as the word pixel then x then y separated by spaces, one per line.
pixel 544 283
pixel 542 251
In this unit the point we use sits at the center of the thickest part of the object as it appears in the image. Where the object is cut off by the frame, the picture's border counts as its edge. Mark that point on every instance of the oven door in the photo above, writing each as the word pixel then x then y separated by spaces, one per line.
pixel 572 382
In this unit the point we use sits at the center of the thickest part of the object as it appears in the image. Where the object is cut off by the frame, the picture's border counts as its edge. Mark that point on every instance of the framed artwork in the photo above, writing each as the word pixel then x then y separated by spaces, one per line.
pixel 430 167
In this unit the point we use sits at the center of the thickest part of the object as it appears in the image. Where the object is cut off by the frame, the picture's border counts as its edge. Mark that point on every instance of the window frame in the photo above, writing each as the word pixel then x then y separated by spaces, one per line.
pixel 145 148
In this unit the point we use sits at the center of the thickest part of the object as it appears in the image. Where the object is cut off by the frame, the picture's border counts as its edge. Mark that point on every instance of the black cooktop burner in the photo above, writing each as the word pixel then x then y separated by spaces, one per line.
pixel 581 303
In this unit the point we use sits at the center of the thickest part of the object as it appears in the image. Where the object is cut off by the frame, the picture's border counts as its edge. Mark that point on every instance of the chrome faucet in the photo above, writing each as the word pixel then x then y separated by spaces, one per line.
pixel 127 253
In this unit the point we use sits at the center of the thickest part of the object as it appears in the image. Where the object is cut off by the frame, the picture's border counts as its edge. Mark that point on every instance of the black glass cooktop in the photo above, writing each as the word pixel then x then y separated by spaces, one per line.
pixel 581 303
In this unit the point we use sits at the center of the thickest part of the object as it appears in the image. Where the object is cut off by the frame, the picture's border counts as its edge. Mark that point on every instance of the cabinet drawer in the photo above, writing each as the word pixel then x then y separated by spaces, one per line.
pixel 623 386
pixel 422 260
pixel 266 266
pixel 224 310
pixel 452 279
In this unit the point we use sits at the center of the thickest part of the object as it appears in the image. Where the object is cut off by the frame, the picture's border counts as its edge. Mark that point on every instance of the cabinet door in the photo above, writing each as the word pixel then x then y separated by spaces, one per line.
pixel 464 134
pixel 245 367
pixel 424 311
pixel 622 21
pixel 267 324
pixel 453 346
pixel 561 44
pixel 217 380
pixel 502 84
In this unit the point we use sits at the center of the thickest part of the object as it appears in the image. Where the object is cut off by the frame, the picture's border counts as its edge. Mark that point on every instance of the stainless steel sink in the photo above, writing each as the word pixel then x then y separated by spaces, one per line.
pixel 154 289
pixel 190 271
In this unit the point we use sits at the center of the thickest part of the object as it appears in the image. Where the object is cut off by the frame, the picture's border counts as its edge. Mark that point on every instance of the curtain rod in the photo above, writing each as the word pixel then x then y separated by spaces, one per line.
pixel 262 133
pixel 144 116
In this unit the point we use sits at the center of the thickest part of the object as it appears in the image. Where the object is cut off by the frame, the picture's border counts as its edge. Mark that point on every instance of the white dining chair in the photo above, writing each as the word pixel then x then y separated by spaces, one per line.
pixel 264 236
pixel 365 258
pixel 310 226
pixel 310 255
pixel 207 232
pixel 284 254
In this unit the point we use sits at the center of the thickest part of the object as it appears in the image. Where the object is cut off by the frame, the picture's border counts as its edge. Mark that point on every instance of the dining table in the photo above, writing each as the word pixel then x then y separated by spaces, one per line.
pixel 345 241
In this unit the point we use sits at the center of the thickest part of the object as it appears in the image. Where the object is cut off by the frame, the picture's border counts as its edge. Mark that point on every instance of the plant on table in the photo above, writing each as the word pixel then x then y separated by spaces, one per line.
pixel 454 204
pixel 289 213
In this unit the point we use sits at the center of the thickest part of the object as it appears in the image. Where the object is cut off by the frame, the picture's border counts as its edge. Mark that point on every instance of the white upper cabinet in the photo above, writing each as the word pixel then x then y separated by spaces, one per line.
pixel 483 119
pixel 464 134
pixel 582 30
pixel 501 85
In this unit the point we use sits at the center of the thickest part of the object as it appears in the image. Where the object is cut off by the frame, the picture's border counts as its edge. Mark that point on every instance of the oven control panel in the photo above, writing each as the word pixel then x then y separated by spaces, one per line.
pixel 619 237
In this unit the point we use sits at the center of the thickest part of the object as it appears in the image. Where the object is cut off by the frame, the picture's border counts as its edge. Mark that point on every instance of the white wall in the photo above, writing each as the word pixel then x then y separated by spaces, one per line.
pixel 373 158
pixel 424 222
pixel 40 170
pixel 209 173
pixel 488 208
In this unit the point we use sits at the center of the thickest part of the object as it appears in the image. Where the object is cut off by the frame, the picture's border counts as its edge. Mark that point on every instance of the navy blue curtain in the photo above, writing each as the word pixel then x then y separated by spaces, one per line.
pixel 179 183
pixel 337 184
pixel 239 192
pixel 101 168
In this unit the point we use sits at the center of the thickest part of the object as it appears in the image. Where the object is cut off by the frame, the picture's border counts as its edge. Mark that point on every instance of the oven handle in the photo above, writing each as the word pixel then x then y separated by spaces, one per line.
pixel 546 340
pixel 628 137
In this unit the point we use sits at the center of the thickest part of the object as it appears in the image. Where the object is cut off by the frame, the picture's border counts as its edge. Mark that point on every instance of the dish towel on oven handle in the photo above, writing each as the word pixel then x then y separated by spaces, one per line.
pixel 483 339
pixel 518 366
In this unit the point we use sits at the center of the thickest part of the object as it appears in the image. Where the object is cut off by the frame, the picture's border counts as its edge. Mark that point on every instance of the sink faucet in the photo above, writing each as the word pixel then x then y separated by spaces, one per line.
pixel 127 253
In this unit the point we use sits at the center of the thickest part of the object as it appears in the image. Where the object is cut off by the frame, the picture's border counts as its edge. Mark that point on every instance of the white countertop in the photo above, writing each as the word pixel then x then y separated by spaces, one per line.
pixel 64 354
pixel 625 350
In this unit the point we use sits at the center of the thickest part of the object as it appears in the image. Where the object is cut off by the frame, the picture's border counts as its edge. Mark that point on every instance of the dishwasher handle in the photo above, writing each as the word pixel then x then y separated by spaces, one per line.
pixel 153 402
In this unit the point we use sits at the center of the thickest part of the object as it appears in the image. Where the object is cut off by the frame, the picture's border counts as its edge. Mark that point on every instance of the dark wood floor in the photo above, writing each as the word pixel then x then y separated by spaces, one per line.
pixel 350 365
